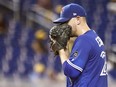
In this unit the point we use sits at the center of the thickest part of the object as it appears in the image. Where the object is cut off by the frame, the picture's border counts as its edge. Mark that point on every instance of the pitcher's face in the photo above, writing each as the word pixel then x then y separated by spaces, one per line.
pixel 72 23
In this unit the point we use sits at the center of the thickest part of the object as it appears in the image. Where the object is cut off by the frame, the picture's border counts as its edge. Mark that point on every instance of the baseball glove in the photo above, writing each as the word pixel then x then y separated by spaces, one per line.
pixel 59 36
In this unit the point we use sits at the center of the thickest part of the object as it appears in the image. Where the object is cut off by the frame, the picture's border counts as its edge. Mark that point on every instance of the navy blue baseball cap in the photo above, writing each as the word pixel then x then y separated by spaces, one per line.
pixel 69 11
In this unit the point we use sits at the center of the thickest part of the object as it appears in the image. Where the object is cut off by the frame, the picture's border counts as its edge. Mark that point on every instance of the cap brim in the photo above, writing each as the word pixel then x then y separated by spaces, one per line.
pixel 61 20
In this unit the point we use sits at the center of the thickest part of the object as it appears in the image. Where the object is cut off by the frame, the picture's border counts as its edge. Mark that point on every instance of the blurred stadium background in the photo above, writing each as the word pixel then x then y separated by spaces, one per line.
pixel 25 57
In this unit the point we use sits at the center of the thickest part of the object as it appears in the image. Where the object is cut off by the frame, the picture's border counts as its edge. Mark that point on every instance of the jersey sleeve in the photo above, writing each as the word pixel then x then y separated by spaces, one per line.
pixel 78 58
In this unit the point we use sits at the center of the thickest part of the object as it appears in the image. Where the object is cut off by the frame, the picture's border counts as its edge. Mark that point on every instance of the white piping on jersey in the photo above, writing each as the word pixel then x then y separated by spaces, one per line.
pixel 74 66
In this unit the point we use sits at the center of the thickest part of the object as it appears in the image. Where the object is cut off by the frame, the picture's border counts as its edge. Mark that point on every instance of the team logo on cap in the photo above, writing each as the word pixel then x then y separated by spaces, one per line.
pixel 62 10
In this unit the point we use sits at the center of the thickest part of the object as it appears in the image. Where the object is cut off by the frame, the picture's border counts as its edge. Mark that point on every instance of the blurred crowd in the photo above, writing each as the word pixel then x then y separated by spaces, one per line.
pixel 24 42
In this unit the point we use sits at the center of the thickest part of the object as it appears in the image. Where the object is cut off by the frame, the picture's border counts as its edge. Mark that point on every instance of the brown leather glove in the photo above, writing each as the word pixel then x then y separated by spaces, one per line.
pixel 59 36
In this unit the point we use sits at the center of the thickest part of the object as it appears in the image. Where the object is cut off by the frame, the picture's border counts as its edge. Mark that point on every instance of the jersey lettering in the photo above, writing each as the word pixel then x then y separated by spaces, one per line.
pixel 103 54
pixel 99 41
pixel 104 70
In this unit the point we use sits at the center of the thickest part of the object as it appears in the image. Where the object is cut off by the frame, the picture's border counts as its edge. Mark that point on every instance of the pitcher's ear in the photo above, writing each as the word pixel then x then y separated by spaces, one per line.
pixel 78 20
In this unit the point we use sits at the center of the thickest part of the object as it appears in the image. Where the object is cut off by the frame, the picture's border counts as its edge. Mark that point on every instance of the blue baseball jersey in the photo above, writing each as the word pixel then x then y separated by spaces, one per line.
pixel 87 65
